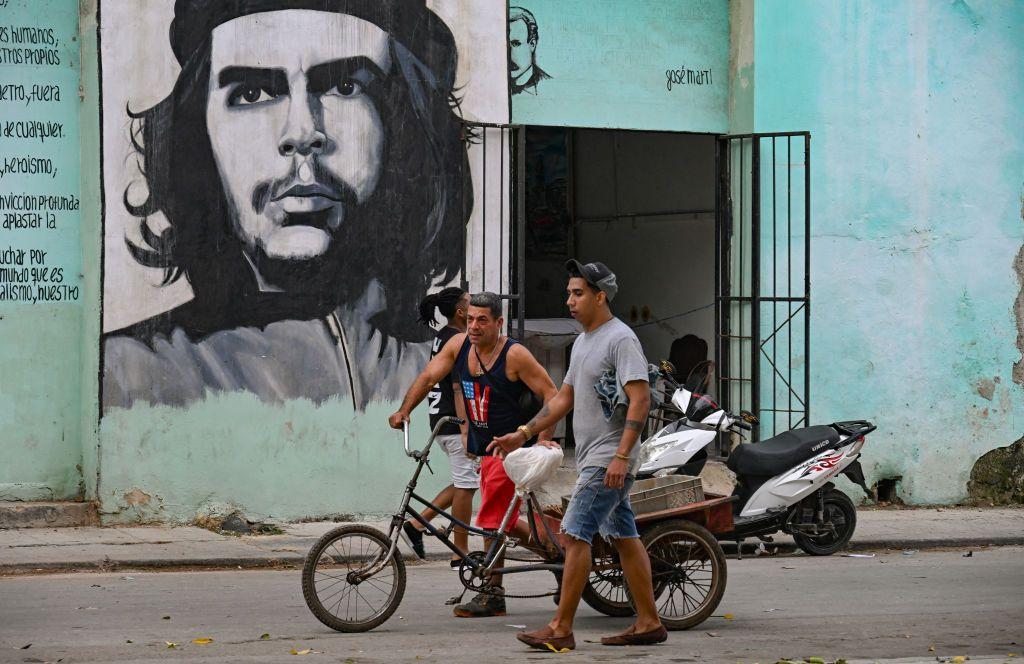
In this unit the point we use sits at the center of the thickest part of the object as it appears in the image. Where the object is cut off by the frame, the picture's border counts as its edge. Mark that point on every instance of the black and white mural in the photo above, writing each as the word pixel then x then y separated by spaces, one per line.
pixel 523 36
pixel 284 181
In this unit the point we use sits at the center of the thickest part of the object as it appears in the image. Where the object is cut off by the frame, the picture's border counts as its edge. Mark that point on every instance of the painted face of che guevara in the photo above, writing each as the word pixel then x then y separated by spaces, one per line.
pixel 521 49
pixel 296 137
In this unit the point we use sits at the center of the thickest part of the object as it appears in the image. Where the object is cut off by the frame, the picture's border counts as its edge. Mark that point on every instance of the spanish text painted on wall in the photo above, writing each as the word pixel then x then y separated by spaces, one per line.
pixel 40 251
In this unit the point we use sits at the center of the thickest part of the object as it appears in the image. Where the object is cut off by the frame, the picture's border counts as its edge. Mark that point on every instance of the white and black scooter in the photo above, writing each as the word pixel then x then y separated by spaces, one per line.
pixel 782 482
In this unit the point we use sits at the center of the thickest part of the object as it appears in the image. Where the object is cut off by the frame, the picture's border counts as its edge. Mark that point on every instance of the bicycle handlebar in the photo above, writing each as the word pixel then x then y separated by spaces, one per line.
pixel 448 419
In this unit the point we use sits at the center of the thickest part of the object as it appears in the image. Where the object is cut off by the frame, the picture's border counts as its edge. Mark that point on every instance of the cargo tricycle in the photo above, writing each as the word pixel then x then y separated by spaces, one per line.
pixel 354 577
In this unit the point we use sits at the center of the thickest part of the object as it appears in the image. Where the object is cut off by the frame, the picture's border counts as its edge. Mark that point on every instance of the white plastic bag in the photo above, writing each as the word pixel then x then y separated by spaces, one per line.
pixel 530 467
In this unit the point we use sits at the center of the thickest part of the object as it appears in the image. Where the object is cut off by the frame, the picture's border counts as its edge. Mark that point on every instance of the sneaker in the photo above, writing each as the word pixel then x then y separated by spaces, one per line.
pixel 484 605
pixel 414 538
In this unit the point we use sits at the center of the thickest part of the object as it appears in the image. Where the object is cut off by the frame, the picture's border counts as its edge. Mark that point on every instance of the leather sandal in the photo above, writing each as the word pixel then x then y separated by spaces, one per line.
pixel 650 638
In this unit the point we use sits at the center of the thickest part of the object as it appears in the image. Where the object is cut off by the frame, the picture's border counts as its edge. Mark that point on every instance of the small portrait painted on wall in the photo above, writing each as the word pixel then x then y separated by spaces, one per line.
pixel 307 179
pixel 524 72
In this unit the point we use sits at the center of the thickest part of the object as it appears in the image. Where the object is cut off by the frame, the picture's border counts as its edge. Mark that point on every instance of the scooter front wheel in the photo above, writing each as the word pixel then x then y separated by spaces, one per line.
pixel 841 513
pixel 335 591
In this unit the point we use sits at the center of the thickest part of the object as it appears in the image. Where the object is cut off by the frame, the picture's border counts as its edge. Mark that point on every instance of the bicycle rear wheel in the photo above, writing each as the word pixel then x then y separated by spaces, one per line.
pixel 332 590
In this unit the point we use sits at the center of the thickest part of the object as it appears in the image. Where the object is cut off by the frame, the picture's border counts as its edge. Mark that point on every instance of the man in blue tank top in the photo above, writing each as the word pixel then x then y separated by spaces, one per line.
pixel 493 372
pixel 606 457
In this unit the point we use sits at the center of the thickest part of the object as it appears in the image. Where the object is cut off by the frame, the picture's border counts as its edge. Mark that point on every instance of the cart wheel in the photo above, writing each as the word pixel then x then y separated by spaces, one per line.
pixel 341 601
pixel 606 589
pixel 688 570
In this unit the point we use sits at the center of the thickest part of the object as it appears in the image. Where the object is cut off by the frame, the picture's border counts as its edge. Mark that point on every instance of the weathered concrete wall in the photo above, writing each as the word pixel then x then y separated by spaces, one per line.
pixel 92 240
pixel 41 303
pixel 741 66
pixel 915 109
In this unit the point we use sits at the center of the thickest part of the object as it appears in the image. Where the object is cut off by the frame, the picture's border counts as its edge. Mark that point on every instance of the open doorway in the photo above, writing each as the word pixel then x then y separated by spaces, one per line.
pixel 641 202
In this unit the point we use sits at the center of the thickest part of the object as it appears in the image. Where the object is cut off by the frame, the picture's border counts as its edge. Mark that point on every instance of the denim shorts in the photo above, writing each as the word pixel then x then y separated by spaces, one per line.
pixel 595 508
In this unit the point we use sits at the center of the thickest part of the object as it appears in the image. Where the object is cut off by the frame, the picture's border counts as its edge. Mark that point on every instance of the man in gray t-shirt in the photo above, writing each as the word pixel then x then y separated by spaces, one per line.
pixel 613 346
pixel 606 450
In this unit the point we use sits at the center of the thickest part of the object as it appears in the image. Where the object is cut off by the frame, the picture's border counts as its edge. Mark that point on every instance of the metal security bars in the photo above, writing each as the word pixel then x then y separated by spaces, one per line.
pixel 494 259
pixel 762 278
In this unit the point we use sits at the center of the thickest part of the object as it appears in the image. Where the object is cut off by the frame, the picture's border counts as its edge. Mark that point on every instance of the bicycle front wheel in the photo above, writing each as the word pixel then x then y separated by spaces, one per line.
pixel 331 586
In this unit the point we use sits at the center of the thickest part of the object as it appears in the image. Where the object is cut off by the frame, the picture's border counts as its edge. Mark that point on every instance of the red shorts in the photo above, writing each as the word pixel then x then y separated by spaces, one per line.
pixel 496 492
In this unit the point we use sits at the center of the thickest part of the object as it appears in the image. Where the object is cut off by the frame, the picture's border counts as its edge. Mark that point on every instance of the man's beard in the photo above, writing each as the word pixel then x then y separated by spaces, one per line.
pixel 328 276
pixel 331 277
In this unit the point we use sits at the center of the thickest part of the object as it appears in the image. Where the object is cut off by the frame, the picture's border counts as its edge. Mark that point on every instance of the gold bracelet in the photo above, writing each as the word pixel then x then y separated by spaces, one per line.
pixel 621 457
pixel 525 430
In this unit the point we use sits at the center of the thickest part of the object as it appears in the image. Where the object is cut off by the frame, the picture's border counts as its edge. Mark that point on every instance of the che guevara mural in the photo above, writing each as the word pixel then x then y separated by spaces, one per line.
pixel 284 181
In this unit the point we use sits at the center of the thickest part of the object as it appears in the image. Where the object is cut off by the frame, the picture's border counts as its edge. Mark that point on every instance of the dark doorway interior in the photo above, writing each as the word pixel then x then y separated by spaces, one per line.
pixel 641 202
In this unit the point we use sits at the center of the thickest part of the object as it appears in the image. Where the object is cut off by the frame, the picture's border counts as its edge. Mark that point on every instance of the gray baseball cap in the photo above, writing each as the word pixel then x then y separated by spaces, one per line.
pixel 596 274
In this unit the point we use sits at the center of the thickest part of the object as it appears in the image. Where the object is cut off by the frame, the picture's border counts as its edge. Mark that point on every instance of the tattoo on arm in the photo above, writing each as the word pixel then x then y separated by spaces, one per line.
pixel 634 425
pixel 541 414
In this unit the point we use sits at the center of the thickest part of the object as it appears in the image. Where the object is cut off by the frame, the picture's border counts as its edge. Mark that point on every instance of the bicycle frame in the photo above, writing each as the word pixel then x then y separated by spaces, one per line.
pixel 498 538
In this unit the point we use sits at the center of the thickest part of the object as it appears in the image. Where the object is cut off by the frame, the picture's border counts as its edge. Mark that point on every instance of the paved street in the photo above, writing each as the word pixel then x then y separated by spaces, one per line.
pixel 886 607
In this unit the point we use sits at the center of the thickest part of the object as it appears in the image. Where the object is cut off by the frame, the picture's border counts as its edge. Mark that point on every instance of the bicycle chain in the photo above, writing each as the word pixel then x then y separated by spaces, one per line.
pixel 486 590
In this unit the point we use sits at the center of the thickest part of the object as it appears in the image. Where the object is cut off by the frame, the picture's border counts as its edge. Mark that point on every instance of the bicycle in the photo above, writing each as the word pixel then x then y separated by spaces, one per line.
pixel 354 577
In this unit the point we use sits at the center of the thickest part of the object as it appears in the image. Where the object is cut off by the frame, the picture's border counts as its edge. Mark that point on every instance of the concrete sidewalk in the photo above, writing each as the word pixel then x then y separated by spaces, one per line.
pixel 42 549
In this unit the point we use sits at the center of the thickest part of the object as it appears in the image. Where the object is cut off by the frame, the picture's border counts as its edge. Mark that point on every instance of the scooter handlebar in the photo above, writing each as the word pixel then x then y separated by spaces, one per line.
pixel 743 425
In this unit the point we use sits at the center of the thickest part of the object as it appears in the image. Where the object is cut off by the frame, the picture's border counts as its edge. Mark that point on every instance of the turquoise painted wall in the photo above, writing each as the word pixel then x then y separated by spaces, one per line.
pixel 642 64
pixel 232 451
pixel 915 111
pixel 40 251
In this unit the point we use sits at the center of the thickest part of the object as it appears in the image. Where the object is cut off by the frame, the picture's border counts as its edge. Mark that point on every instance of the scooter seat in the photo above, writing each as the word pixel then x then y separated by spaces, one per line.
pixel 780 453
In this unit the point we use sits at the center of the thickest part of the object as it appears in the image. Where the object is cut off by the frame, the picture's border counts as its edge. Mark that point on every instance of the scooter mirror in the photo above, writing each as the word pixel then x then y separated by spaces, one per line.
pixel 699 378
pixel 667 367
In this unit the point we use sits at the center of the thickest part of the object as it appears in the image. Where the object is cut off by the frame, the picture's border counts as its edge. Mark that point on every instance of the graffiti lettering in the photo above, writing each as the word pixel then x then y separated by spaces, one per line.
pixel 35 282
pixel 14 34
pixel 39 202
pixel 12 256
pixel 686 76
pixel 33 129
pixel 12 92
pixel 36 273
pixel 27 165
pixel 29 56
pixel 39 92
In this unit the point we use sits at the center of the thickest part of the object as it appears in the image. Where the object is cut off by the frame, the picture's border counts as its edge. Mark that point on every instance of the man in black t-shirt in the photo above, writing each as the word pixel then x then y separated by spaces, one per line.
pixel 493 372
pixel 453 303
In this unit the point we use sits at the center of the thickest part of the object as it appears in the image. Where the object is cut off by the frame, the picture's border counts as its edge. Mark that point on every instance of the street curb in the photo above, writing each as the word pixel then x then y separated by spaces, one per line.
pixel 954 542
pixel 108 565
pixel 898 544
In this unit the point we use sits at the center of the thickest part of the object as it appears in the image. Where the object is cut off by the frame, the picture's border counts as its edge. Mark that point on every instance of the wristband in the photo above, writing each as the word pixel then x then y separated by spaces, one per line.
pixel 621 457
pixel 525 430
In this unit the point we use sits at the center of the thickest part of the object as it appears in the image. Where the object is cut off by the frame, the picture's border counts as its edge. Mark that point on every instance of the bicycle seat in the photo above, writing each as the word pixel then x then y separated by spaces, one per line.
pixel 780 453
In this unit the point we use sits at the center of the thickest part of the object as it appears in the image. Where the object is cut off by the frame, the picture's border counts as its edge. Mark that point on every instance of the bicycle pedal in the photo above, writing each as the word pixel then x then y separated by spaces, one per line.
pixel 456 599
